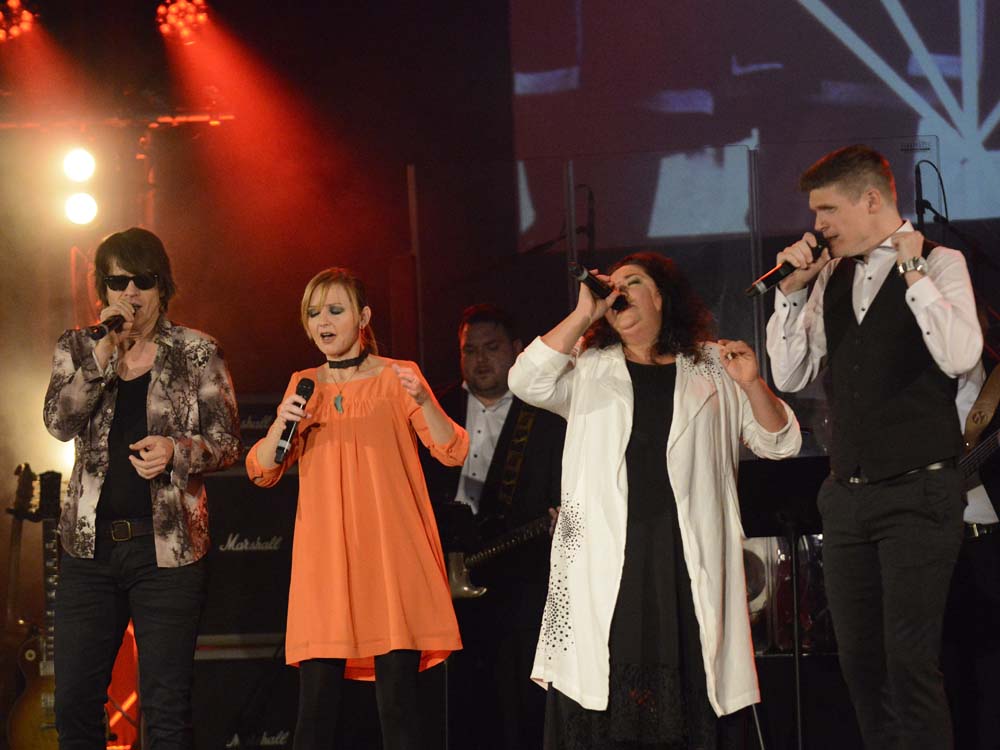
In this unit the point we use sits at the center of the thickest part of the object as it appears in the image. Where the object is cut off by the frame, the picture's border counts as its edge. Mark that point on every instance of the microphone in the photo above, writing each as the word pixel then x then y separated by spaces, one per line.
pixel 919 205
pixel 597 287
pixel 776 274
pixel 106 326
pixel 305 390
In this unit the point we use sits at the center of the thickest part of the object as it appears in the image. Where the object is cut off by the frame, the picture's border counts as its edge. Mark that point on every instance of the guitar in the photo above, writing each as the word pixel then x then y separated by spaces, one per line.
pixel 14 629
pixel 460 563
pixel 31 723
pixel 969 463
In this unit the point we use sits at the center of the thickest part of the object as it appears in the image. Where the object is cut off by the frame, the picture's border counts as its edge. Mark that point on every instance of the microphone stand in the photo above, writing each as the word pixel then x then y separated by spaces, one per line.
pixel 977 253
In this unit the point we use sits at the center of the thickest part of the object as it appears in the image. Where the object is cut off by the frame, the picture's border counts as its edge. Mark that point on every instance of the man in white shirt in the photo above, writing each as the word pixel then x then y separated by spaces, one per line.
pixel 971 656
pixel 890 324
pixel 510 479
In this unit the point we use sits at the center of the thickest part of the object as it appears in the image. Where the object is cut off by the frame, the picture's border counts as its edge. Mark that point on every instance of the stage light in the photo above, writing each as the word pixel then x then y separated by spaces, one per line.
pixel 79 165
pixel 181 19
pixel 81 208
pixel 15 20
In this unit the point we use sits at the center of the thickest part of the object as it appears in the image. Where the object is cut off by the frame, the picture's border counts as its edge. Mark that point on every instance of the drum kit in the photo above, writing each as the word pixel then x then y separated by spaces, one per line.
pixel 767 562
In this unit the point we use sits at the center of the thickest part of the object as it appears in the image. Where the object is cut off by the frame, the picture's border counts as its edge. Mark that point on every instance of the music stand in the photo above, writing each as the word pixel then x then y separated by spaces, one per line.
pixel 778 498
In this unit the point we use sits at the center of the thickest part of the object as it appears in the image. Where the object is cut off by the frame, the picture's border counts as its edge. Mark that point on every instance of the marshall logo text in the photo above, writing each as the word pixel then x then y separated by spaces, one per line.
pixel 237 543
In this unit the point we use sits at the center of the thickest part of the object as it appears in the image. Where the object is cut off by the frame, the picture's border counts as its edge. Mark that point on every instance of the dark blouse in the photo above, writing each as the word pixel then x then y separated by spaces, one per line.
pixel 125 494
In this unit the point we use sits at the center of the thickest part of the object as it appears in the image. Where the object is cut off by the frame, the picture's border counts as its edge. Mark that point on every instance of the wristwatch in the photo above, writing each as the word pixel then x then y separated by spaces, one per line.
pixel 912 264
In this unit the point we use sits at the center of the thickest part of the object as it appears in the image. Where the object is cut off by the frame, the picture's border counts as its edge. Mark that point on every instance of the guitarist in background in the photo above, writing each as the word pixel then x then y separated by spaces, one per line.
pixel 971 651
pixel 510 477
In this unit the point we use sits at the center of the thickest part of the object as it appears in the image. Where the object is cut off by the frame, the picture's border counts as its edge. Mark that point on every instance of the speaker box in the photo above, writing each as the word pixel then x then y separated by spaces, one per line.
pixel 250 558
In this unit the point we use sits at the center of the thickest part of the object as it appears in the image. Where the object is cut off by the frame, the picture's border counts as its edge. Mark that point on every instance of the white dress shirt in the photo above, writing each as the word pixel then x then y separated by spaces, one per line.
pixel 942 303
pixel 484 424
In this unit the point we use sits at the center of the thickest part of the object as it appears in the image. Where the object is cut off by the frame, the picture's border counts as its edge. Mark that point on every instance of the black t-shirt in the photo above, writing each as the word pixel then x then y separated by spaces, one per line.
pixel 124 493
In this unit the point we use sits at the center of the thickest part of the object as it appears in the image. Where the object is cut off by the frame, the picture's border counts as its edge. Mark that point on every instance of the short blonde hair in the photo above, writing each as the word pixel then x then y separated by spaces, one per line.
pixel 345 278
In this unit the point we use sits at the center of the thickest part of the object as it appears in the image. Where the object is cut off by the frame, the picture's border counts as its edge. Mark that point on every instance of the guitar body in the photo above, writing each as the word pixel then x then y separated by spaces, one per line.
pixel 31 724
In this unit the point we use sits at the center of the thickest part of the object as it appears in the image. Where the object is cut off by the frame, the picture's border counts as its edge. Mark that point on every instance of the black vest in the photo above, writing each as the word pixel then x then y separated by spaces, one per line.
pixel 893 408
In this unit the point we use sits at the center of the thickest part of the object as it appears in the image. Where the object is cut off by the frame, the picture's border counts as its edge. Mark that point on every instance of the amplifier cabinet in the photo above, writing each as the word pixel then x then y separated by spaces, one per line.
pixel 250 558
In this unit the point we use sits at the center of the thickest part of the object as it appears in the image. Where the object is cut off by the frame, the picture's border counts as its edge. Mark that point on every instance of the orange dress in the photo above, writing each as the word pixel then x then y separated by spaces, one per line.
pixel 368 574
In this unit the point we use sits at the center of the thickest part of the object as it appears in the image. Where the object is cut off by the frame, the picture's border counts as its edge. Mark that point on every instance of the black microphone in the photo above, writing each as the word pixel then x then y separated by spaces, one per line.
pixel 776 274
pixel 919 206
pixel 596 286
pixel 106 326
pixel 304 389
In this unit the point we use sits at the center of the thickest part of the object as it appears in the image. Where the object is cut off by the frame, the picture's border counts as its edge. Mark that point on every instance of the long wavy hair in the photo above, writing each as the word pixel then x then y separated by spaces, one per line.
pixel 686 324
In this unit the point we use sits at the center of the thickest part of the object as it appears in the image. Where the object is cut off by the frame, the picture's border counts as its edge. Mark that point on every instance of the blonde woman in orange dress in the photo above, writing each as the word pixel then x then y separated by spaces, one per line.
pixel 369 595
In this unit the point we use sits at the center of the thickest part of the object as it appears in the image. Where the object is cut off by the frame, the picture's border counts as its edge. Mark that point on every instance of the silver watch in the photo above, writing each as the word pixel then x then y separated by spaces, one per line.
pixel 912 264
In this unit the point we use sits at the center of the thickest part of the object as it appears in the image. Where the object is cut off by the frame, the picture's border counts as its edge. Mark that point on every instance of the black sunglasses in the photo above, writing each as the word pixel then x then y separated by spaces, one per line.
pixel 142 281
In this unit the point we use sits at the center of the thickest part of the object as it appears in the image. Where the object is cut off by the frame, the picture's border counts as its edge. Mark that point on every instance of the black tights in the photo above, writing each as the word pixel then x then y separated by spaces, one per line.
pixel 320 682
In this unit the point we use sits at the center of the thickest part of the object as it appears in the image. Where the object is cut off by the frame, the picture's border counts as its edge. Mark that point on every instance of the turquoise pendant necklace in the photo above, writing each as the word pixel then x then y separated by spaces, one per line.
pixel 338 400
pixel 343 364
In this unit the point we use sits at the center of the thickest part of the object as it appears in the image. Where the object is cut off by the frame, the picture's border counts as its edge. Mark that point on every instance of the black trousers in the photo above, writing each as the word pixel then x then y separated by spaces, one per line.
pixel 972 645
pixel 889 549
pixel 94 601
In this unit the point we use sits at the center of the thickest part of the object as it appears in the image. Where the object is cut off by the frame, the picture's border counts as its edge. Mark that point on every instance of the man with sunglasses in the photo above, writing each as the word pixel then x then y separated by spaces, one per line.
pixel 151 408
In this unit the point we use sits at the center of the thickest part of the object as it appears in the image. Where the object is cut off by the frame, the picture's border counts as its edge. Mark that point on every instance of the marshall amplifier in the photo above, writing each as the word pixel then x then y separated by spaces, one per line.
pixel 250 558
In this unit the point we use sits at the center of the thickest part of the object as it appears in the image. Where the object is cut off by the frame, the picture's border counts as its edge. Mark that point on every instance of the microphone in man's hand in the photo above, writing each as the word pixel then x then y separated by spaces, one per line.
pixel 776 274
pixel 106 326
pixel 596 286
pixel 305 390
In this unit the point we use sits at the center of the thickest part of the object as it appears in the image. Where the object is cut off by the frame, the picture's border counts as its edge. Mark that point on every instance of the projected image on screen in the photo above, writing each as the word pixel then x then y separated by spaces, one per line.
pixel 690 81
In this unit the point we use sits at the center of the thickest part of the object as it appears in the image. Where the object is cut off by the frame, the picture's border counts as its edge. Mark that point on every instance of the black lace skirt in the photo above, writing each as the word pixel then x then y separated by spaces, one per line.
pixel 657 694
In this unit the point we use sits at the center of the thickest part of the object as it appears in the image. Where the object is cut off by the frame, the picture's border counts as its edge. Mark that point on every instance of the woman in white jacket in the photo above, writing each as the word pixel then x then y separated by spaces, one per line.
pixel 645 636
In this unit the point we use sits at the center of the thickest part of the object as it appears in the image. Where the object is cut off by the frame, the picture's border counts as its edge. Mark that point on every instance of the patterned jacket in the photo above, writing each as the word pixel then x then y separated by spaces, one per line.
pixel 190 400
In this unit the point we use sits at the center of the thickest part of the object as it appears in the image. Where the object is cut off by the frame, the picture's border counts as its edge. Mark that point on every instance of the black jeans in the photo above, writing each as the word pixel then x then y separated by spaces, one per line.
pixel 889 549
pixel 94 601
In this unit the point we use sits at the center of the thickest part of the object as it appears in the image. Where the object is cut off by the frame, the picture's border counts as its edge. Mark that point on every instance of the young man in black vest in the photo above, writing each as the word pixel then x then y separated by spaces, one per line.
pixel 890 324
pixel 510 479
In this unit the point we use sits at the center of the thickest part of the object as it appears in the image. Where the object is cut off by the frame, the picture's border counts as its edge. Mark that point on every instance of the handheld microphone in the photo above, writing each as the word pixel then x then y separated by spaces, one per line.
pixel 776 274
pixel 919 191
pixel 596 286
pixel 305 390
pixel 106 326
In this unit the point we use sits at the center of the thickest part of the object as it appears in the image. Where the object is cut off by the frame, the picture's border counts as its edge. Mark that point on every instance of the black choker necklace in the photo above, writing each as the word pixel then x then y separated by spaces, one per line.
pixel 343 364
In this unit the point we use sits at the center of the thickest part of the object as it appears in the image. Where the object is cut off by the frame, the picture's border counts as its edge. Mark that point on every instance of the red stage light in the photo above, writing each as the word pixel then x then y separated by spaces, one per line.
pixel 181 19
pixel 15 20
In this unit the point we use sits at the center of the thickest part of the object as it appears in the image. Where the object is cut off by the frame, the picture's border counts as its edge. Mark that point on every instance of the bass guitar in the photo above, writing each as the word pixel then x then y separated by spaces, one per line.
pixel 31 723
pixel 460 563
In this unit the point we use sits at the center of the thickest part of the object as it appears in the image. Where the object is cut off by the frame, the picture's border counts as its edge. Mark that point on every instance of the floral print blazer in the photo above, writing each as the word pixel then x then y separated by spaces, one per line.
pixel 190 400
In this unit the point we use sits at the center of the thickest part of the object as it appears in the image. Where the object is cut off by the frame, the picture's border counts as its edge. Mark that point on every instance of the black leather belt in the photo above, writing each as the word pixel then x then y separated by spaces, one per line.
pixel 124 529
pixel 858 478
pixel 977 530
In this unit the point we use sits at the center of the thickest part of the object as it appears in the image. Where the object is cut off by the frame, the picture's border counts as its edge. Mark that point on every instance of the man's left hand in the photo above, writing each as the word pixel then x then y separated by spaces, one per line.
pixel 155 454
pixel 907 244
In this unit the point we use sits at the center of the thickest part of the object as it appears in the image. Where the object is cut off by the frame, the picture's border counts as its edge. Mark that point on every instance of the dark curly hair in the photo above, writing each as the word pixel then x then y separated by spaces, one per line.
pixel 687 323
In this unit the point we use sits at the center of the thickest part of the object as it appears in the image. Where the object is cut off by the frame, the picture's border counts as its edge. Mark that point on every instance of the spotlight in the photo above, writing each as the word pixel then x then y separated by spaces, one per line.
pixel 79 165
pixel 15 20
pixel 181 19
pixel 81 208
